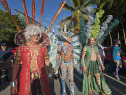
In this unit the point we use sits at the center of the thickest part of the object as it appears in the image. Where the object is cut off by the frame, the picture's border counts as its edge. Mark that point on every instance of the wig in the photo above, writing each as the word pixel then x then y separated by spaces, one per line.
pixel 32 30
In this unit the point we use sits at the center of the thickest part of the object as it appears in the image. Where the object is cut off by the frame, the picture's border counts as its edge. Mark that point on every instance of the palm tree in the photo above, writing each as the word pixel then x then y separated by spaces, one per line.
pixel 78 8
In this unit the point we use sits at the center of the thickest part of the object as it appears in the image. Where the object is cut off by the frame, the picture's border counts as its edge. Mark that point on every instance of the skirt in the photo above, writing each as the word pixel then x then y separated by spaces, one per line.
pixel 93 67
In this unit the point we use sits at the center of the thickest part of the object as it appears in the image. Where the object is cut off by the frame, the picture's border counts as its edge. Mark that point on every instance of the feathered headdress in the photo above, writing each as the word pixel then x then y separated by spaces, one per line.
pixel 93 28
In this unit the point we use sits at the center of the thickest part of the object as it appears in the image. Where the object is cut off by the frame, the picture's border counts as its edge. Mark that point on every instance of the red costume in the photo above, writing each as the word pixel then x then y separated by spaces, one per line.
pixel 24 78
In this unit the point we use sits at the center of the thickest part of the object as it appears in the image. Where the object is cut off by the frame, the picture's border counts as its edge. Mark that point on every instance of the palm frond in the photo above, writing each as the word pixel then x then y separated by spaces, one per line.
pixel 102 4
pixel 89 3
pixel 83 2
pixel 74 3
pixel 97 1
pixel 69 26
pixel 66 19
pixel 78 3
pixel 68 7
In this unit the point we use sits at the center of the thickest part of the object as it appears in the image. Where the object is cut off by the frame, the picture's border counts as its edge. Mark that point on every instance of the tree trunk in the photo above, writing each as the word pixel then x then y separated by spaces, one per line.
pixel 118 35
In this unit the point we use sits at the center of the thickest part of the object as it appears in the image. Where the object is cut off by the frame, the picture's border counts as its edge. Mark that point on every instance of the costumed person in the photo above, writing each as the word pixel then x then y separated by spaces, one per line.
pixel 65 51
pixel 116 59
pixel 93 78
pixel 5 60
pixel 91 62
pixel 32 51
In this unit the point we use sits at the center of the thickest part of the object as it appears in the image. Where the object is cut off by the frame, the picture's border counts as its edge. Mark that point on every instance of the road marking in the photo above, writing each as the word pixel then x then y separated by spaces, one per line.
pixel 106 76
pixel 115 79
pixel 122 77
pixel 117 90
pixel 81 80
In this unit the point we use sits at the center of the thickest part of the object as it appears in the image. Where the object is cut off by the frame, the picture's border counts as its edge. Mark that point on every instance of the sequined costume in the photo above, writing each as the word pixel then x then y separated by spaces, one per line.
pixel 25 74
pixel 66 66
pixel 93 68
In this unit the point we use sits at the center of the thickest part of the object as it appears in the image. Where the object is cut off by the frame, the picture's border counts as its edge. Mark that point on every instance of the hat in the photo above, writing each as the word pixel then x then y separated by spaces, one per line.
pixel 117 42
pixel 21 40
pixel 3 44
pixel 63 36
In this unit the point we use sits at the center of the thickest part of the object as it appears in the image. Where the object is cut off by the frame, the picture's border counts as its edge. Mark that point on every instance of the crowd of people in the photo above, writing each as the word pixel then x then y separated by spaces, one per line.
pixel 34 79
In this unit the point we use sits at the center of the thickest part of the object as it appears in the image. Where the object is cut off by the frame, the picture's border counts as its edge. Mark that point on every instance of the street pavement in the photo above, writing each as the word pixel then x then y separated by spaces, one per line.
pixel 117 87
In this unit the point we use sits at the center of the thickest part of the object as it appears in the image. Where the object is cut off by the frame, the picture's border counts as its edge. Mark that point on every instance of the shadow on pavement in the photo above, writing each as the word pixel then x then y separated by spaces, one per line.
pixel 78 83
pixel 52 88
pixel 5 84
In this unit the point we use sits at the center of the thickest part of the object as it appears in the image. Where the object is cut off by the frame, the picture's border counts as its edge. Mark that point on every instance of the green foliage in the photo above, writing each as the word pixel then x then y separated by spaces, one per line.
pixel 7 28
pixel 78 6
pixel 117 8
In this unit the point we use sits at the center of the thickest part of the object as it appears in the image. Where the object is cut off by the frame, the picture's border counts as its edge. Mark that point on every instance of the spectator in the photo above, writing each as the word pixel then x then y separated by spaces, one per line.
pixel 5 56
pixel 116 59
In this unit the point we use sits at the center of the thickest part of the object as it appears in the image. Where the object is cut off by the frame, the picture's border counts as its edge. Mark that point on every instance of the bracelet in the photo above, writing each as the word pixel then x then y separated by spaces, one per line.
pixel 13 83
pixel 49 75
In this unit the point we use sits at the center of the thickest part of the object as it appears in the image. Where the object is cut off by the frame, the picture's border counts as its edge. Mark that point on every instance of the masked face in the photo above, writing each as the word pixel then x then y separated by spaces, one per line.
pixel 92 41
pixel 69 38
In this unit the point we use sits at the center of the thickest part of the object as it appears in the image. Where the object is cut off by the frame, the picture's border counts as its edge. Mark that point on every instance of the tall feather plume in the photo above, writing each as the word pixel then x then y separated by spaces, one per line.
pixel 42 11
pixel 96 25
pixel 109 29
pixel 104 26
pixel 25 11
pixel 33 11
pixel 4 3
pixel 88 25
pixel 56 16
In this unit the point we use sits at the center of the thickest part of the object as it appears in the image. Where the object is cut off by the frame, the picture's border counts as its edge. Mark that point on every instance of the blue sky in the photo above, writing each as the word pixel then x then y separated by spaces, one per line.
pixel 50 9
